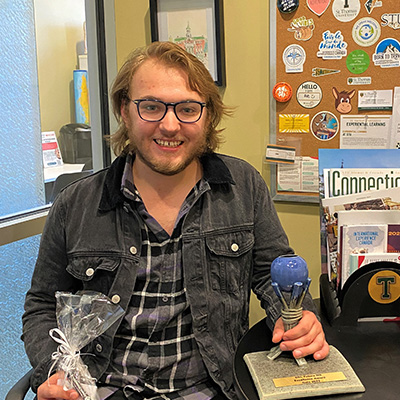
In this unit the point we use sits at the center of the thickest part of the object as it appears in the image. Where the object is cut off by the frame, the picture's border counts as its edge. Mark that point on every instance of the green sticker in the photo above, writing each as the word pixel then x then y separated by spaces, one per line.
pixel 357 61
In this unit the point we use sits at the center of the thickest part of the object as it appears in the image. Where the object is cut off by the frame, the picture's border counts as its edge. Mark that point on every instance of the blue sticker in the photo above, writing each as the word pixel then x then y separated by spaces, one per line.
pixel 387 53
pixel 332 46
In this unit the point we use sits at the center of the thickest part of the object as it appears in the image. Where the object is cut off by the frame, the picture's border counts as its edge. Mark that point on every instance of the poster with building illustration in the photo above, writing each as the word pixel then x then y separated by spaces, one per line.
pixel 191 28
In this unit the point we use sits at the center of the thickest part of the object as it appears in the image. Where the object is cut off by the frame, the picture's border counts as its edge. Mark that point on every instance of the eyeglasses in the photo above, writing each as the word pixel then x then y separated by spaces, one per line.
pixel 187 112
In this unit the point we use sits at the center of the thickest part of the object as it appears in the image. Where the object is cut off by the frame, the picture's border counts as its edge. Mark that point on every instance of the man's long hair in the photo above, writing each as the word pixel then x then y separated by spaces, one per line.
pixel 200 81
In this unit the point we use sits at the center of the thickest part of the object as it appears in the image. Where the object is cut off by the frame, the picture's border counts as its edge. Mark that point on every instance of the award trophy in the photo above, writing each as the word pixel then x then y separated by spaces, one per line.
pixel 278 376
pixel 290 274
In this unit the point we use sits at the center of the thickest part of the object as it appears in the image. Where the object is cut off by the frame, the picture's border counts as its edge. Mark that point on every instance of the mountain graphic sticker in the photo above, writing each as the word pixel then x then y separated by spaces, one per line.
pixel 387 53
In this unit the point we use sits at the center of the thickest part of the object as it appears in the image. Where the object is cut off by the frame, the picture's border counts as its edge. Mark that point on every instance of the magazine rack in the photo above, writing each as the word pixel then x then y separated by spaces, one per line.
pixel 372 291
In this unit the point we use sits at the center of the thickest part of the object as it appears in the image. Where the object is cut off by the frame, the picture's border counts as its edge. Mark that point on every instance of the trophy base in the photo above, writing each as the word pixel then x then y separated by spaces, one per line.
pixel 283 379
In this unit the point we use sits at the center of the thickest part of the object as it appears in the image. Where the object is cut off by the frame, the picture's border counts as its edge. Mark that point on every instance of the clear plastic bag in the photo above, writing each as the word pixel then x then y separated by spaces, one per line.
pixel 81 317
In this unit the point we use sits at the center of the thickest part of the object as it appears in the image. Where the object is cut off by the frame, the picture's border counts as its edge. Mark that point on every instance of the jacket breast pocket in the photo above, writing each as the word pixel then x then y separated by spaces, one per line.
pixel 230 258
pixel 95 272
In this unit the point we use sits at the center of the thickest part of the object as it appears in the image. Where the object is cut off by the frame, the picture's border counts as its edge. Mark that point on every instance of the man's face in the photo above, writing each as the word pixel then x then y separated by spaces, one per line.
pixel 167 146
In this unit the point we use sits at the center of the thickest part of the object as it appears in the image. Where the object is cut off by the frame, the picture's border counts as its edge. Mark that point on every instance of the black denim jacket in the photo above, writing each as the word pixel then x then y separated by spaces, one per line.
pixel 92 241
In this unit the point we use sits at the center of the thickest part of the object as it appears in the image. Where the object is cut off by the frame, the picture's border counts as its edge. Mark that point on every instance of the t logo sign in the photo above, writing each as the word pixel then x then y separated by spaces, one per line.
pixel 385 281
pixel 384 287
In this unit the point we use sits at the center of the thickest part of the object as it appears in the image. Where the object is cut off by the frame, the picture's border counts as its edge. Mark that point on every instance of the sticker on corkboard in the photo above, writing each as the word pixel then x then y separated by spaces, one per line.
pixel 324 125
pixel 391 20
pixel 357 62
pixel 387 53
pixel 294 57
pixel 343 100
pixel 324 71
pixel 309 94
pixel 371 4
pixel 294 123
pixel 287 6
pixel 318 6
pixel 282 92
pixel 359 80
pixel 333 46
pixel 366 31
pixel 302 27
pixel 346 10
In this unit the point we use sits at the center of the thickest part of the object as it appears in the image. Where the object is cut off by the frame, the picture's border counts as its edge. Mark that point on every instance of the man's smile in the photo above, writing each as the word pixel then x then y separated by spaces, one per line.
pixel 168 143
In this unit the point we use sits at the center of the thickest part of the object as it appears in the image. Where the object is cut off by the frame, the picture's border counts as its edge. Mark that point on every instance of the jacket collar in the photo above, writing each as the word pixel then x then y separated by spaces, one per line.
pixel 215 172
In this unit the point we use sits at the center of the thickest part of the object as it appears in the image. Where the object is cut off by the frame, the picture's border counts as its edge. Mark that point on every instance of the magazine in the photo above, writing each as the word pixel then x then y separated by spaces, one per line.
pixel 360 239
pixel 333 159
pixel 372 200
pixel 362 220
pixel 346 181
pixel 359 260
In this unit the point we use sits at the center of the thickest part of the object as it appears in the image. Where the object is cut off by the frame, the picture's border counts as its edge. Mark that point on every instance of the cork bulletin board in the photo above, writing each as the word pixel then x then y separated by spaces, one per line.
pixel 332 62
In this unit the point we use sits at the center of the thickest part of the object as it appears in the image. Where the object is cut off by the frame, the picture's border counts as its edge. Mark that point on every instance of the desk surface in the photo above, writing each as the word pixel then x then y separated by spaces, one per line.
pixel 51 173
pixel 371 348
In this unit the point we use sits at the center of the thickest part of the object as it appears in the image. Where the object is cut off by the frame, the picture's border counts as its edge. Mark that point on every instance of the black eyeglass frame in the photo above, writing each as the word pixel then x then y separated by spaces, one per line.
pixel 200 103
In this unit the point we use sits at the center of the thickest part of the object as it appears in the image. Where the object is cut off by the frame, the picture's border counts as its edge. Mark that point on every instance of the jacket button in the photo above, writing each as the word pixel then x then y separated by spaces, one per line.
pixel 99 348
pixel 235 247
pixel 115 299
pixel 133 250
pixel 89 272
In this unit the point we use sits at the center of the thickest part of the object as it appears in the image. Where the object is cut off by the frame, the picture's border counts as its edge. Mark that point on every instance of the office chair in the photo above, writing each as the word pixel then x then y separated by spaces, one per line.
pixel 20 389
pixel 64 180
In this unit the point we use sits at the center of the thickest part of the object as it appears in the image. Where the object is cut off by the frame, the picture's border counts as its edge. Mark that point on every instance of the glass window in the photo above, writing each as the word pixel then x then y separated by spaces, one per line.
pixel 44 101
pixel 62 64
pixel 45 114
pixel 21 168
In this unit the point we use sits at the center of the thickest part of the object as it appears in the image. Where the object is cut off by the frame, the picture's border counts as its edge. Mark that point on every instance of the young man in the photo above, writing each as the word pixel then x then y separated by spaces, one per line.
pixel 175 233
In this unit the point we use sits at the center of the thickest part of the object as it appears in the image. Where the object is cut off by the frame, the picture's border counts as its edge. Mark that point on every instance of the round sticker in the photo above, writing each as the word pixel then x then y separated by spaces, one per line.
pixel 294 57
pixel 309 94
pixel 282 92
pixel 357 61
pixel 287 6
pixel 324 125
pixel 366 31
pixel 346 10
pixel 384 287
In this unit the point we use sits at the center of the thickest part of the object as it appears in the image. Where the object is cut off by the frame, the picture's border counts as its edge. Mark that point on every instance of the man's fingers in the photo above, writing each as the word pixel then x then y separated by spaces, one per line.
pixel 278 332
pixel 304 339
pixel 50 390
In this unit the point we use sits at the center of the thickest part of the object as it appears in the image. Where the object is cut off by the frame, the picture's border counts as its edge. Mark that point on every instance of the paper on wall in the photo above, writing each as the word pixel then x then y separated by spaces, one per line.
pixel 395 126
pixel 365 131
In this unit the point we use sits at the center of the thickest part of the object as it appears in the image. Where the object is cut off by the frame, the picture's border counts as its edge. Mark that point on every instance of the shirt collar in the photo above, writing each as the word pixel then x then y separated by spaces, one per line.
pixel 215 172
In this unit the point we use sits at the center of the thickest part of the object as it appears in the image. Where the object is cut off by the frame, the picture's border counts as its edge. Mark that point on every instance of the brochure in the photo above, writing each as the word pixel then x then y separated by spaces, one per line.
pixel 362 219
pixel 371 200
pixel 51 151
pixel 361 239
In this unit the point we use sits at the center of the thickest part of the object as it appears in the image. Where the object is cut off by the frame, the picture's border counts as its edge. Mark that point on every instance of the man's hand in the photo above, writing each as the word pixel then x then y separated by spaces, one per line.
pixel 49 390
pixel 306 338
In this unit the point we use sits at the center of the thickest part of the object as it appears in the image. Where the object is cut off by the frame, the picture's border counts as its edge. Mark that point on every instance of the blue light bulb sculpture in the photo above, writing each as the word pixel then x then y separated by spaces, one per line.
pixel 289 273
